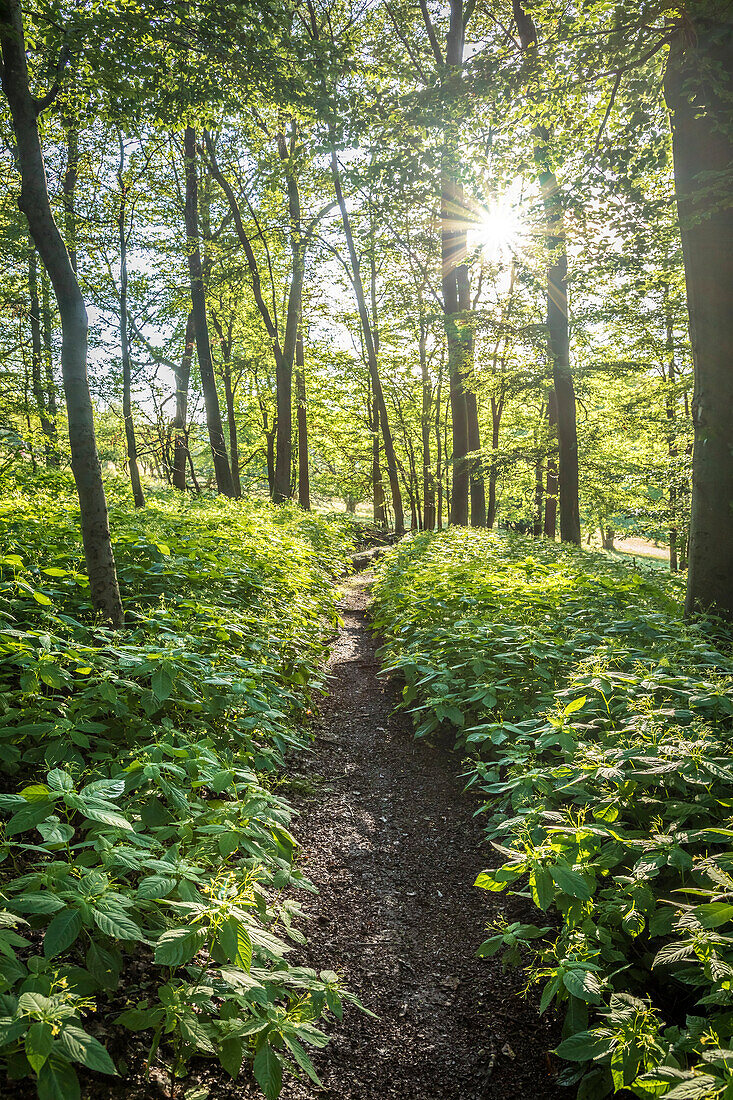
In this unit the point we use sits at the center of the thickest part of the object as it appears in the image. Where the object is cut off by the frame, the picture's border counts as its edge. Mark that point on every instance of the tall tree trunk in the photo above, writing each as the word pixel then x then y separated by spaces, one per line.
pixel 68 188
pixel 137 490
pixel 558 332
pixel 36 207
pixel 699 88
pixel 497 408
pixel 47 425
pixel 539 496
pixel 54 455
pixel 284 362
pixel 550 530
pixel 180 435
pixel 222 470
pixel 379 504
pixel 453 247
pixel 559 347
pixel 226 372
pixel 428 488
pixel 304 489
pixel 671 444
pixel 438 456
pixel 367 334
pixel 34 202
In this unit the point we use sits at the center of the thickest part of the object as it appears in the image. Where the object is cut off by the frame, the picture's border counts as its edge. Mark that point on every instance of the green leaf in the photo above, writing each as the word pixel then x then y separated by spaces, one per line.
pixel 576 704
pixel 38 1044
pixel 268 1071
pixel 302 1058
pixel 570 882
pixel 231 1052
pixel 117 925
pixel 57 1080
pixel 543 889
pixel 702 1085
pixel 28 817
pixel 81 1047
pixel 195 1032
pixel 140 1019
pixel 583 984
pixel 583 1047
pixel 161 683
pixel 714 914
pixel 62 932
pixel 177 946
pixel 236 943
pixel 485 881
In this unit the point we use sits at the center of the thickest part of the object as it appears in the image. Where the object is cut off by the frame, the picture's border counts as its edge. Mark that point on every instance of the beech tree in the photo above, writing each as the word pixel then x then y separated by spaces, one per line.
pixel 35 204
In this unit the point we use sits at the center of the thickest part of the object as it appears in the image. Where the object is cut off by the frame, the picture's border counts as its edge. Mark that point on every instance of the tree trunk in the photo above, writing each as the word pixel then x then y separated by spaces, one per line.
pixel 551 488
pixel 558 333
pixel 47 425
pixel 54 456
pixel 304 489
pixel 497 408
pixel 270 440
pixel 428 488
pixel 366 328
pixel 232 425
pixel 438 456
pixel 698 87
pixel 137 491
pixel 180 435
pixel 284 361
pixel 477 486
pixel 671 444
pixel 71 175
pixel 34 202
pixel 379 505
pixel 453 247
pixel 559 347
pixel 222 470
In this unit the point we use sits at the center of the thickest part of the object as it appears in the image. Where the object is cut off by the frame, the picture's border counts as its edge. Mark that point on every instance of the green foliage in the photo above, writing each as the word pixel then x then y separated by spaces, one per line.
pixel 142 823
pixel 597 726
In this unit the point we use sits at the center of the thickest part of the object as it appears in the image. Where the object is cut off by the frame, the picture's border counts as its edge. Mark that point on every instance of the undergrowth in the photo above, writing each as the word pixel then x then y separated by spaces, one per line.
pixel 597 729
pixel 149 876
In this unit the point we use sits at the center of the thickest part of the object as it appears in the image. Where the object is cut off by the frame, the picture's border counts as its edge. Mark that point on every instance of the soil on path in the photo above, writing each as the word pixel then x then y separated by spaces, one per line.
pixel 391 842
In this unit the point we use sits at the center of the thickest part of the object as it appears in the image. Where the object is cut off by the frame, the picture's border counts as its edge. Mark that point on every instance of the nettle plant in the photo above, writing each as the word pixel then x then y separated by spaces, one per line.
pixel 597 727
pixel 142 835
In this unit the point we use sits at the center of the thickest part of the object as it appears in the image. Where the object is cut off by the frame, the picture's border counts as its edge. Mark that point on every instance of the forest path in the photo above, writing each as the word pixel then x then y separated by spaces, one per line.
pixel 392 845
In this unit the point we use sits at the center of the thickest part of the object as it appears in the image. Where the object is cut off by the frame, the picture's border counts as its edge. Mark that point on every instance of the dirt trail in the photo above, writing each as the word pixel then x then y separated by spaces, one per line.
pixel 392 844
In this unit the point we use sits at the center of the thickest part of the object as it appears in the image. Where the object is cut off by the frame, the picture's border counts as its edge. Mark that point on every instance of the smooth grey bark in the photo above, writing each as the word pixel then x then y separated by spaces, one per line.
pixel 304 491
pixel 39 393
pixel 131 442
pixel 551 488
pixel 35 204
pixel 68 187
pixel 699 92
pixel 54 456
pixel 222 469
pixel 428 486
pixel 180 435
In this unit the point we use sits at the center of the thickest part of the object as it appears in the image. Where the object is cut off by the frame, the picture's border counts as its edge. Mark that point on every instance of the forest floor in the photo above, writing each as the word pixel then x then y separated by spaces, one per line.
pixel 391 842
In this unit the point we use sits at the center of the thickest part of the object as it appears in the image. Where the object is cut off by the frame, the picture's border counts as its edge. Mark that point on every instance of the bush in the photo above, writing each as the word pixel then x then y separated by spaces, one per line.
pixel 143 824
pixel 596 725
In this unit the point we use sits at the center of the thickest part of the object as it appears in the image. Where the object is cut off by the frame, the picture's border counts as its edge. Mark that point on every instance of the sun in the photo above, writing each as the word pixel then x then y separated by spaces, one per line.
pixel 498 231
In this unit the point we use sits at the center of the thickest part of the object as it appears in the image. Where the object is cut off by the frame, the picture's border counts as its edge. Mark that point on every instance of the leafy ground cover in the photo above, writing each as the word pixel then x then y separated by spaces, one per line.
pixel 149 874
pixel 596 726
